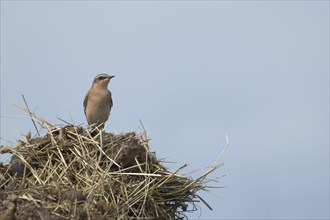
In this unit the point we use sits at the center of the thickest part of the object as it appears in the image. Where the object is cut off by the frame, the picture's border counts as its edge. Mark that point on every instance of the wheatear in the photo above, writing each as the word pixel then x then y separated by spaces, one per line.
pixel 98 101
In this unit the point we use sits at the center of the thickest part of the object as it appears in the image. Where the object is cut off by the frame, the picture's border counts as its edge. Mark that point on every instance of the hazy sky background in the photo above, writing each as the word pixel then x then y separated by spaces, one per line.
pixel 191 71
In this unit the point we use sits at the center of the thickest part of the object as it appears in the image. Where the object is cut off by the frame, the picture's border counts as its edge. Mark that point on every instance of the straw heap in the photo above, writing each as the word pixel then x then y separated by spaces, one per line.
pixel 74 173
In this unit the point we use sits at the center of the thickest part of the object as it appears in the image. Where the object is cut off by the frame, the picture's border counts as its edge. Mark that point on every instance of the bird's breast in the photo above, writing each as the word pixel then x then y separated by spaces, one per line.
pixel 98 106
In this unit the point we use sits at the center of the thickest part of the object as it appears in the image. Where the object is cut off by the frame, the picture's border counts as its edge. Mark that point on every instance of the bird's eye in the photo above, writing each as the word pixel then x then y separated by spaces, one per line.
pixel 101 77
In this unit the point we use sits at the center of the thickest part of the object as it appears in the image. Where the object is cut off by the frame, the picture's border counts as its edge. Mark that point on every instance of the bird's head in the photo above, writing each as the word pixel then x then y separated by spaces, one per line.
pixel 102 80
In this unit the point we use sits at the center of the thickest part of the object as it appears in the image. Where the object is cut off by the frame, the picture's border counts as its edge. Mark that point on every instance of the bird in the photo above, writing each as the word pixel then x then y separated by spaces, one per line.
pixel 98 101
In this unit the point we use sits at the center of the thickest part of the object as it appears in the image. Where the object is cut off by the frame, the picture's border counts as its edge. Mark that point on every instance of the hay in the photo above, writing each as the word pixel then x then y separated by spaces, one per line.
pixel 75 173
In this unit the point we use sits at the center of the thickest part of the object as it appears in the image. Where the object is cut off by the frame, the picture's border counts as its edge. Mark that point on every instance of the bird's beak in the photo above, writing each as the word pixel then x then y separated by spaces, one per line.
pixel 111 77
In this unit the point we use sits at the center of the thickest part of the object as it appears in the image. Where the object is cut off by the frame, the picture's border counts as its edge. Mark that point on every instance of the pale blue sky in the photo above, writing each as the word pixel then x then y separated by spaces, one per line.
pixel 191 71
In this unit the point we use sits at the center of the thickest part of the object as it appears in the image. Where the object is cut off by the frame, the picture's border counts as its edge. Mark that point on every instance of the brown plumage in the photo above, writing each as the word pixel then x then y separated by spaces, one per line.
pixel 98 101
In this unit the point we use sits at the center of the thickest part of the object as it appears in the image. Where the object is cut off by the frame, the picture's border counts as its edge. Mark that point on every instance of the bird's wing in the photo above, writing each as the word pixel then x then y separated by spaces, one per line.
pixel 85 103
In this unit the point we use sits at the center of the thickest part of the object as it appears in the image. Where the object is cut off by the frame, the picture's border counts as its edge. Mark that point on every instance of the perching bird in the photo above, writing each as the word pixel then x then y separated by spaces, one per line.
pixel 98 101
